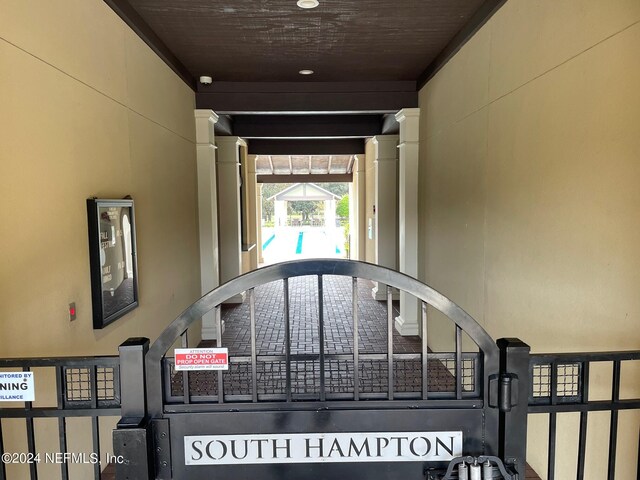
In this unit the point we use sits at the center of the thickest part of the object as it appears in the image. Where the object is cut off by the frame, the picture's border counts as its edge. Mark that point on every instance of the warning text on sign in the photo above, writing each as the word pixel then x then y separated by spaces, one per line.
pixel 202 359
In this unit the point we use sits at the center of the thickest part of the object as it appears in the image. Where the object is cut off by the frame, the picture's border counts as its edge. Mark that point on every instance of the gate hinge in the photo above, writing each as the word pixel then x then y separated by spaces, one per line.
pixel 503 391
pixel 162 448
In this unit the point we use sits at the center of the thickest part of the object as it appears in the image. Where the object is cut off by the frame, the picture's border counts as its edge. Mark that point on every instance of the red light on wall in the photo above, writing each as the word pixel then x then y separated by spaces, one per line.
pixel 72 311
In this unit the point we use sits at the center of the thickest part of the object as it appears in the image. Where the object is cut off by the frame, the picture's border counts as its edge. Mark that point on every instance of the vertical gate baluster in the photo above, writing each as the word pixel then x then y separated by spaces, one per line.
pixel 321 336
pixel 287 338
pixel 425 366
pixel 582 442
pixel 390 341
pixel 552 423
pixel 219 345
pixel 458 363
pixel 254 362
pixel 31 438
pixel 613 429
pixel 356 351
pixel 62 424
pixel 186 391
pixel 3 472
pixel 95 426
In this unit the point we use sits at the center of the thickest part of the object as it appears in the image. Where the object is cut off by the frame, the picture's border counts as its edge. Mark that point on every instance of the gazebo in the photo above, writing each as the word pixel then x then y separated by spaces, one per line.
pixel 304 192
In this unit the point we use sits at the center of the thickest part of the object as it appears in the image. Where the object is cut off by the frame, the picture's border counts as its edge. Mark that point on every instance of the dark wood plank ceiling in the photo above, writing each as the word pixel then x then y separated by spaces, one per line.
pixel 341 40
pixel 370 57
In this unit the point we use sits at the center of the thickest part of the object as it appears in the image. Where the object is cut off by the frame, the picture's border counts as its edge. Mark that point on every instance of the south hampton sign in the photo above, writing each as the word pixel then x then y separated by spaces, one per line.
pixel 322 448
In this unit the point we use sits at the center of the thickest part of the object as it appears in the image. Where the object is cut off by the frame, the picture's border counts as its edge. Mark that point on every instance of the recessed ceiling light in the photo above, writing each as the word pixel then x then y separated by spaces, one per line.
pixel 308 3
pixel 306 72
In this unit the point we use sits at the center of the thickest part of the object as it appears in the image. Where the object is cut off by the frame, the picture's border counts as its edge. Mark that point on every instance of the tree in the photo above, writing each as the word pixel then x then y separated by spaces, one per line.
pixel 305 208
pixel 268 190
pixel 342 207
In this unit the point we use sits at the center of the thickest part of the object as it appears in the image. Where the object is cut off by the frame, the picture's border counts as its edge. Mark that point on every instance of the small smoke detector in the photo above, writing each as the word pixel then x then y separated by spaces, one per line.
pixel 306 72
pixel 308 3
pixel 206 80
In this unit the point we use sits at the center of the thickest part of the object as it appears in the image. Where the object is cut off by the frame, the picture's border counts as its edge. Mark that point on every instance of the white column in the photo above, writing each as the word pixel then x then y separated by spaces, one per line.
pixel 386 204
pixel 407 323
pixel 353 221
pixel 229 211
pixel 330 216
pixel 207 212
pixel 251 214
pixel 259 220
pixel 280 213
pixel 360 225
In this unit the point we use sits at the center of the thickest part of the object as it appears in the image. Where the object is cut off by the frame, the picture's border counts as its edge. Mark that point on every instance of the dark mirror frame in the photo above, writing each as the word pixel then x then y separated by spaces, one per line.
pixel 101 318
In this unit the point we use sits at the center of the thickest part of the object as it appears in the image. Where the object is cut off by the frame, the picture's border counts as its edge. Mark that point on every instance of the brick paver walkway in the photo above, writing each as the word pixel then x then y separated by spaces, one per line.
pixel 338 327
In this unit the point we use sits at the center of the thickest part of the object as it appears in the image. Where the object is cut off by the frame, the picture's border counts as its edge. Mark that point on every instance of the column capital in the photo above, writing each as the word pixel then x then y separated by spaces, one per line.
pixel 231 140
pixel 407 113
pixel 409 120
pixel 205 121
pixel 386 147
pixel 227 149
pixel 251 164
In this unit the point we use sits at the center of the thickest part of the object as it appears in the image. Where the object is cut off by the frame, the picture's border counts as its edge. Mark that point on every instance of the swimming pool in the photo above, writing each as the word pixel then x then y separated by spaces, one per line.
pixel 290 243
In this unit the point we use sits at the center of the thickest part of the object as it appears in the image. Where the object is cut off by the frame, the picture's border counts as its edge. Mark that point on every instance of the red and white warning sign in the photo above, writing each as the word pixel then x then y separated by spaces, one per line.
pixel 202 359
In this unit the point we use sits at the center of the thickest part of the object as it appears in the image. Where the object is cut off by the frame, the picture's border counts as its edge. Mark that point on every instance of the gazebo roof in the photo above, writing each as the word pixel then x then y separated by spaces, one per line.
pixel 304 191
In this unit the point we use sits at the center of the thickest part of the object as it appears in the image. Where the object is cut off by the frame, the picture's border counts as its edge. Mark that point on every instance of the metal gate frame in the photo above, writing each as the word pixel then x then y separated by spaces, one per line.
pixel 151 431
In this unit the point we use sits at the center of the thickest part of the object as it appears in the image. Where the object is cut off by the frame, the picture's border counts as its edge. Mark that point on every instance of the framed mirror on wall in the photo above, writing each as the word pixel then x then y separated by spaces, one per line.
pixel 112 258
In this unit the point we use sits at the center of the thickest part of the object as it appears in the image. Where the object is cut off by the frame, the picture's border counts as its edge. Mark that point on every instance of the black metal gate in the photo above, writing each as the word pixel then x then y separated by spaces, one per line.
pixel 327 396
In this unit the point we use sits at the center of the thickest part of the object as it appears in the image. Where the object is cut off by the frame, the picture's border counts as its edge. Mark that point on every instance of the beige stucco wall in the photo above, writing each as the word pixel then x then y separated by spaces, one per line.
pixel 87 109
pixel 530 206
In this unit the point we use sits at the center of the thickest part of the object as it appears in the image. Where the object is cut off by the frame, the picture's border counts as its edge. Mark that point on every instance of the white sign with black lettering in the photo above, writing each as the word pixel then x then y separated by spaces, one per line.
pixel 17 387
pixel 322 448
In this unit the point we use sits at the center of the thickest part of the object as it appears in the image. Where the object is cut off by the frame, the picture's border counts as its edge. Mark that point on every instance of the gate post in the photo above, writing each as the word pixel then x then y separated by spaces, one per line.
pixel 513 399
pixel 132 445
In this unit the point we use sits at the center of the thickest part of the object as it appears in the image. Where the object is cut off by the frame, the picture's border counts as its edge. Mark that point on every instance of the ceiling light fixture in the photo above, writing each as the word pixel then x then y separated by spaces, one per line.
pixel 306 72
pixel 308 3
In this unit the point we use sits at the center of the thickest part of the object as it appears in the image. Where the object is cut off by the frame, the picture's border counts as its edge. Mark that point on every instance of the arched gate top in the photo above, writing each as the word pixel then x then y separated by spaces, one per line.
pixel 348 268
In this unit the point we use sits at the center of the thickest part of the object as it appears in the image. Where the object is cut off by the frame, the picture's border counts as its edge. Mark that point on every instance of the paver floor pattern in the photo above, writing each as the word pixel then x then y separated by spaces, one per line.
pixel 303 304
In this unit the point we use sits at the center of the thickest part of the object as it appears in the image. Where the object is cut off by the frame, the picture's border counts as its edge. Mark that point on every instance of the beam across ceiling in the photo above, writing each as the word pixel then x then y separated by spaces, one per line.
pixel 340 146
pixel 304 178
pixel 307 126
pixel 307 97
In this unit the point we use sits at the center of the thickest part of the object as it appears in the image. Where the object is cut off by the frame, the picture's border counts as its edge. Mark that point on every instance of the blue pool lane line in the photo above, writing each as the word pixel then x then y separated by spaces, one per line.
pixel 266 244
pixel 299 246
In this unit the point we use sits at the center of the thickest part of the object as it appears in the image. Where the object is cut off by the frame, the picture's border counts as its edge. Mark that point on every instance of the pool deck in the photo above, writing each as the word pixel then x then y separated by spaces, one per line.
pixel 294 243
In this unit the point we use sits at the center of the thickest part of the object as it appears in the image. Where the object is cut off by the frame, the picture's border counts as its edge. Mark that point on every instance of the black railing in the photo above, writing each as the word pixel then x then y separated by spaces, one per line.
pixel 84 387
pixel 559 383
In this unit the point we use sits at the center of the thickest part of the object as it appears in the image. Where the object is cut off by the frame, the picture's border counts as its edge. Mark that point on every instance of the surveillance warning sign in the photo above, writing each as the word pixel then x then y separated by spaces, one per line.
pixel 17 387
pixel 202 359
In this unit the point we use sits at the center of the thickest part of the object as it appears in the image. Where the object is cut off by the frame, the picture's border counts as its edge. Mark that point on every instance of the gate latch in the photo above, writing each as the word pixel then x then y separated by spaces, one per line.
pixel 503 391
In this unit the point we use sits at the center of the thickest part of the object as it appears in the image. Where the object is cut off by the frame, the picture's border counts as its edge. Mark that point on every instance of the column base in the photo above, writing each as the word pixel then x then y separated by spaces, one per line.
pixel 210 332
pixel 236 299
pixel 406 328
pixel 380 294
